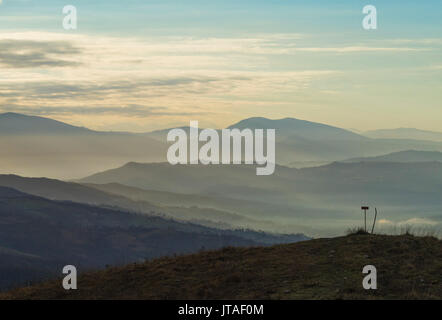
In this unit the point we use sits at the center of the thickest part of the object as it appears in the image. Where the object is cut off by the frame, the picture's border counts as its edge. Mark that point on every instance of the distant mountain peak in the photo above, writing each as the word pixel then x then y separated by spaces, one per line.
pixel 17 123
pixel 292 127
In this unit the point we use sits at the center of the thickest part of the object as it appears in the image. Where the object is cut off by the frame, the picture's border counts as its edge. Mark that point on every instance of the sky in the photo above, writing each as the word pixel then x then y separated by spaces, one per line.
pixel 144 65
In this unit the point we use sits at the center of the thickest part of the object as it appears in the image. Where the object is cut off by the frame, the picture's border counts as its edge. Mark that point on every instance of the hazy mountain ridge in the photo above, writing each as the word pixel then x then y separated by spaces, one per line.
pixel 291 127
pixel 36 146
pixel 20 124
pixel 213 212
pixel 404 133
pixel 301 196
pixel 403 156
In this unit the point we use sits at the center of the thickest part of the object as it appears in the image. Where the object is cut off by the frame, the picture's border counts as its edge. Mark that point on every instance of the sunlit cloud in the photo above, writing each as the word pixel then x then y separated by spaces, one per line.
pixel 31 54
pixel 128 110
pixel 352 49
pixel 221 77
pixel 104 74
pixel 409 222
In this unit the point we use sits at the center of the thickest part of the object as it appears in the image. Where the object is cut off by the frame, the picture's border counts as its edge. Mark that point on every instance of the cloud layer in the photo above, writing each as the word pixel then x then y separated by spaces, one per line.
pixel 224 78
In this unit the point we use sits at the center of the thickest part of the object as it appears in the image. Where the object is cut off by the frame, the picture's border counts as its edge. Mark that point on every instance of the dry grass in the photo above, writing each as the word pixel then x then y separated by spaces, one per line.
pixel 408 267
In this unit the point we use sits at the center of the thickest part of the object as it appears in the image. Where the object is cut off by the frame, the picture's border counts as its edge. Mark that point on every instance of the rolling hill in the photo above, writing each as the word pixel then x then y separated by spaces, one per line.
pixel 209 211
pixel 403 156
pixel 405 133
pixel 241 182
pixel 302 197
pixel 42 147
pixel 303 143
pixel 20 124
pixel 407 267
pixel 295 128
pixel 38 236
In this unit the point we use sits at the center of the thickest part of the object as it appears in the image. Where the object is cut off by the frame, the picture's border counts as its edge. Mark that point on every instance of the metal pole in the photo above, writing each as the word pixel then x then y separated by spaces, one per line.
pixel 374 221
pixel 365 220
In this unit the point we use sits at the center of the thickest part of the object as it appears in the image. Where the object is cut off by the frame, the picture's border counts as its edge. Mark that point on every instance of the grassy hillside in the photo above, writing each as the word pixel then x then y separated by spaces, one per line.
pixel 39 236
pixel 408 267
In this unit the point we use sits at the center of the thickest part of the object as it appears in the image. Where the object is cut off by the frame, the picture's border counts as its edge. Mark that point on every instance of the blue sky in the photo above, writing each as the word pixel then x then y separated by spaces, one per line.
pixel 137 65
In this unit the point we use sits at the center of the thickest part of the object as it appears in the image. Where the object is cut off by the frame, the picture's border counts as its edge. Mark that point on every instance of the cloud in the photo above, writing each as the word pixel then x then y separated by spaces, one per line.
pixel 87 75
pixel 409 222
pixel 35 54
pixel 128 110
pixel 424 41
pixel 353 49
pixel 56 90
pixel 385 222
pixel 419 221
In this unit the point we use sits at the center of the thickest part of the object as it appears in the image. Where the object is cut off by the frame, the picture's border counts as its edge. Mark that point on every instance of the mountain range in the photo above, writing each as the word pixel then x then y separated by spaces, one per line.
pixel 116 200
pixel 404 133
pixel 314 199
pixel 403 156
pixel 41 147
pixel 37 147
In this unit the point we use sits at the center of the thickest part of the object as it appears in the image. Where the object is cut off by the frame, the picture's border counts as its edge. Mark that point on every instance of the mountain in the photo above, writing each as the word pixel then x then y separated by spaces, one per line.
pixel 295 128
pixel 403 156
pixel 20 124
pixel 323 200
pixel 303 143
pixel 68 191
pixel 241 181
pixel 217 212
pixel 213 212
pixel 36 147
pixel 39 236
pixel 405 133
pixel 408 268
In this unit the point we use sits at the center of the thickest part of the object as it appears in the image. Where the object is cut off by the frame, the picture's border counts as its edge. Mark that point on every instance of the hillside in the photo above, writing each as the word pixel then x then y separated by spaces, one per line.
pixel 212 212
pixel 38 236
pixel 291 127
pixel 300 197
pixel 408 268
pixel 37 146
pixel 16 123
pixel 404 133
pixel 403 156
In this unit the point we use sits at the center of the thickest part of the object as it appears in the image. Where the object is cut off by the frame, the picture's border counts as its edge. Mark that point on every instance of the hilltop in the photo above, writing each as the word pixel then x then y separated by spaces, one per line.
pixel 408 267
pixel 39 236
pixel 409 156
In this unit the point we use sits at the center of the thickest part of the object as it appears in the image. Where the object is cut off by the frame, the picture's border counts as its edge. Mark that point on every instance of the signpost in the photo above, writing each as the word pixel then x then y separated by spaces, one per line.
pixel 365 216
